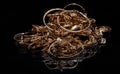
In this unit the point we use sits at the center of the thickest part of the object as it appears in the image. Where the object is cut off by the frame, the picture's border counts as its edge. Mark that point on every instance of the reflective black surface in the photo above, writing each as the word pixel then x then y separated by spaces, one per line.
pixel 19 17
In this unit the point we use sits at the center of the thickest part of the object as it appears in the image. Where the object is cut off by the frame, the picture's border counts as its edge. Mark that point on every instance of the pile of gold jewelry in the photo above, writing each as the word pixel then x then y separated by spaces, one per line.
pixel 66 38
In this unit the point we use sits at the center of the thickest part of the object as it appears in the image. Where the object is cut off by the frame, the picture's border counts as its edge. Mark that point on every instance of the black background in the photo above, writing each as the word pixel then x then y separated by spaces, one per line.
pixel 20 15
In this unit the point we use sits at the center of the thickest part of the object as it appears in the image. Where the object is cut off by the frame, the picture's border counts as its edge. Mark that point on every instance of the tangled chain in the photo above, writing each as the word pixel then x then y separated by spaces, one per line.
pixel 67 38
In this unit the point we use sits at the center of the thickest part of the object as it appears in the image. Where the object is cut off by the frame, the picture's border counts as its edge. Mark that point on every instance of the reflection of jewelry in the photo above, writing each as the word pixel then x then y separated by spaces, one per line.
pixel 67 38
